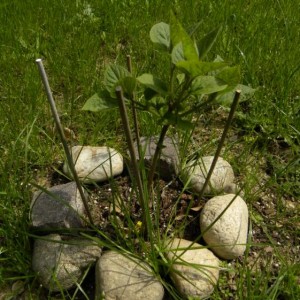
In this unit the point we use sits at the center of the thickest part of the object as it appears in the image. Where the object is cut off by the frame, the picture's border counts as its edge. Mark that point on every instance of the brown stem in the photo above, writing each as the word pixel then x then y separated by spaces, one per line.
pixel 156 156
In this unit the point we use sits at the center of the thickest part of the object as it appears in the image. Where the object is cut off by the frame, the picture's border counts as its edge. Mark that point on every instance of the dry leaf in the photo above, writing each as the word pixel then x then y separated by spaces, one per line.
pixel 196 208
pixel 180 217
pixel 69 134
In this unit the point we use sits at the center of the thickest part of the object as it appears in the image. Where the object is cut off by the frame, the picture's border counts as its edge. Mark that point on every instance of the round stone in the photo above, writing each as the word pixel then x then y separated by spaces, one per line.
pixel 194 268
pixel 95 164
pixel 122 277
pixel 195 172
pixel 227 237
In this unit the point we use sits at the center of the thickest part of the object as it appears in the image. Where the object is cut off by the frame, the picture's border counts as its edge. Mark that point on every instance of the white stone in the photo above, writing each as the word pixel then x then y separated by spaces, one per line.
pixel 227 238
pixel 195 173
pixel 95 164
pixel 60 266
pixel 194 271
pixel 121 277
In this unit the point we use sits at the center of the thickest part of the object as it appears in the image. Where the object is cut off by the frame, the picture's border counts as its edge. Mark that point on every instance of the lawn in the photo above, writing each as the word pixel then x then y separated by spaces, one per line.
pixel 77 40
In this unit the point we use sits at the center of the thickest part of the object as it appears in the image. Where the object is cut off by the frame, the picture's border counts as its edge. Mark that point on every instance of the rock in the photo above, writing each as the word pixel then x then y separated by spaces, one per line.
pixel 95 164
pixel 168 164
pixel 195 172
pixel 228 236
pixel 59 265
pixel 120 278
pixel 60 207
pixel 194 271
pixel 234 189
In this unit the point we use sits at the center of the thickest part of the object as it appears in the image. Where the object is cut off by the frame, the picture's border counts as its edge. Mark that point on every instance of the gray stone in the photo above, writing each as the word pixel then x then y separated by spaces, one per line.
pixel 120 278
pixel 95 164
pixel 228 236
pixel 59 265
pixel 168 164
pixel 60 207
pixel 194 268
pixel 195 173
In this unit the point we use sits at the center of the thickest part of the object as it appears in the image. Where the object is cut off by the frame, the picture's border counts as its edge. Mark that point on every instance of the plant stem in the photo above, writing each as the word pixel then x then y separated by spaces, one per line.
pixel 62 137
pixel 222 140
pixel 156 156
pixel 210 99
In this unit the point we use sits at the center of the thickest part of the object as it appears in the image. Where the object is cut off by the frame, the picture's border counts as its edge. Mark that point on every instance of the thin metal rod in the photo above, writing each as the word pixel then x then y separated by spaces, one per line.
pixel 133 109
pixel 222 140
pixel 62 136
pixel 125 121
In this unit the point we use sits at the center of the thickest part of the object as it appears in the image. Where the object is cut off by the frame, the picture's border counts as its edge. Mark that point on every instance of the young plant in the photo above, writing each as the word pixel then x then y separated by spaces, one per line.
pixel 190 85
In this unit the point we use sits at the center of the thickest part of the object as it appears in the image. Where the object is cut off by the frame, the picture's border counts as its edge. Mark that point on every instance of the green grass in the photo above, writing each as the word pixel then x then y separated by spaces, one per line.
pixel 77 39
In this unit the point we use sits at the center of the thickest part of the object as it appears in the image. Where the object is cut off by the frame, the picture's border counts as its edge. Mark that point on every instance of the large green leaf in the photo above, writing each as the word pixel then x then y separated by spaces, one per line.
pixel 226 97
pixel 100 101
pixel 197 68
pixel 179 35
pixel 160 35
pixel 230 75
pixel 206 85
pixel 154 83
pixel 113 74
pixel 207 42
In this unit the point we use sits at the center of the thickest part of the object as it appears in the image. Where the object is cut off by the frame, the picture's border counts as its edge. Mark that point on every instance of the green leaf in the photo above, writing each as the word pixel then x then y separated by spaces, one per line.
pixel 112 76
pixel 179 35
pixel 207 42
pixel 177 54
pixel 206 85
pixel 149 81
pixel 176 120
pixel 149 93
pixel 226 97
pixel 230 75
pixel 157 106
pixel 197 68
pixel 218 59
pixel 128 85
pixel 180 78
pixel 100 101
pixel 160 35
pixel 157 103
